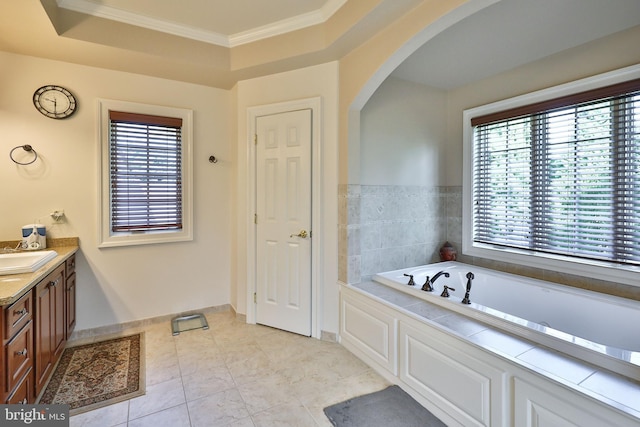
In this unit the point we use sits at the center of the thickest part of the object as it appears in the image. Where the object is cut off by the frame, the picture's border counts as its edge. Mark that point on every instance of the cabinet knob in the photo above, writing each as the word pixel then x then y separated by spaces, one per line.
pixel 23 401
pixel 21 312
pixel 22 352
pixel 54 282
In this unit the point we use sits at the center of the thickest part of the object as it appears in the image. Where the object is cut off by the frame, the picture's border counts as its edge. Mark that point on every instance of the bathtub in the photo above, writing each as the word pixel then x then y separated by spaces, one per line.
pixel 593 327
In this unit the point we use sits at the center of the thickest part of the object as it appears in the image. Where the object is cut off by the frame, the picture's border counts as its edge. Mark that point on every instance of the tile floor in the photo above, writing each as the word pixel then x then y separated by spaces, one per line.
pixel 235 374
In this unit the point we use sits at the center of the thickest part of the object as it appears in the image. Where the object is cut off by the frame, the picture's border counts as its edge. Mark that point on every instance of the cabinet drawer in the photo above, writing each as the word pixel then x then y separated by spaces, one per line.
pixel 19 356
pixel 17 315
pixel 23 392
pixel 70 265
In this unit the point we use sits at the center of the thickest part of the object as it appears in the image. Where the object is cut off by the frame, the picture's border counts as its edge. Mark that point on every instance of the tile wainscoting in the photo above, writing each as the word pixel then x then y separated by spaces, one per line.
pixel 390 227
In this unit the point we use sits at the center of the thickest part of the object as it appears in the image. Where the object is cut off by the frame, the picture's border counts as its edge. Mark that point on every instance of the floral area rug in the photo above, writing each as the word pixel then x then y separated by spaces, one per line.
pixel 94 375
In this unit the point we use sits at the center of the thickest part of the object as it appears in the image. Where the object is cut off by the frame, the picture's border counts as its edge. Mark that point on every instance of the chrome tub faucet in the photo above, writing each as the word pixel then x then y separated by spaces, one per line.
pixel 428 284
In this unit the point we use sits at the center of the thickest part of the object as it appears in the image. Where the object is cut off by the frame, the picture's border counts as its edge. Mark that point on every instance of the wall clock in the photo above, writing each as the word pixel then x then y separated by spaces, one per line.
pixel 55 102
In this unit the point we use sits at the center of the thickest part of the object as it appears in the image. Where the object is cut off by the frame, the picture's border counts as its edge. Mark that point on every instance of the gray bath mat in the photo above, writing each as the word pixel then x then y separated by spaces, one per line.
pixel 391 407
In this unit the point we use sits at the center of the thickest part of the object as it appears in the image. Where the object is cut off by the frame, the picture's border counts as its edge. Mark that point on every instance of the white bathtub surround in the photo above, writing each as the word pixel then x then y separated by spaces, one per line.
pixel 475 373
pixel 553 315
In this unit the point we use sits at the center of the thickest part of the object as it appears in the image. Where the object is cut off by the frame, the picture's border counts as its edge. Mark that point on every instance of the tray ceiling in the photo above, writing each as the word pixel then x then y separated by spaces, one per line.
pixel 219 42
pixel 222 22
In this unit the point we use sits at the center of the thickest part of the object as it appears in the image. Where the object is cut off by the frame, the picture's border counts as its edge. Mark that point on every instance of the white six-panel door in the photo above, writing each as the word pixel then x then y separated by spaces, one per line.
pixel 283 235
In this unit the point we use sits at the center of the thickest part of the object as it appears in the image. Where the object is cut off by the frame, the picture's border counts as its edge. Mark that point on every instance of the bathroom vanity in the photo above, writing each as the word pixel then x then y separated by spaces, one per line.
pixel 38 316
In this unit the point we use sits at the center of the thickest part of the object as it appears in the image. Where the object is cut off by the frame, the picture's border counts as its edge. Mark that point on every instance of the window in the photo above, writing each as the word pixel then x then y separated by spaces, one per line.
pixel 145 174
pixel 560 178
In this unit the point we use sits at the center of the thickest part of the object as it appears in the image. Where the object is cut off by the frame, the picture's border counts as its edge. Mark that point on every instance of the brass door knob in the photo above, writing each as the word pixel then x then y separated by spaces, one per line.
pixel 302 234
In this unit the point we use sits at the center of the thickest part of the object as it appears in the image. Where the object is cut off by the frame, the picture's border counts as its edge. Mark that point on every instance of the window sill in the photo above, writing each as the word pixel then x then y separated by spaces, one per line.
pixel 144 238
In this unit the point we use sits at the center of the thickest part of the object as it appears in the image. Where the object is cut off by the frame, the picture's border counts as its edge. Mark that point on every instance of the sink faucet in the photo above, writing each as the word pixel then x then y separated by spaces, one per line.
pixel 8 250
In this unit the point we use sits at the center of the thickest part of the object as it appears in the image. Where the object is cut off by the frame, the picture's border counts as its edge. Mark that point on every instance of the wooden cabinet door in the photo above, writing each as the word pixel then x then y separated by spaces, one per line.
pixel 71 305
pixel 58 323
pixel 50 325
pixel 2 357
pixel 43 365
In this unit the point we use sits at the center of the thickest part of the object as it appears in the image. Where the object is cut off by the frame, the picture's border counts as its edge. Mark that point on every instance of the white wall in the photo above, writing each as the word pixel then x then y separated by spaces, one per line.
pixel 115 285
pixel 317 81
pixel 606 54
pixel 407 127
pixel 402 135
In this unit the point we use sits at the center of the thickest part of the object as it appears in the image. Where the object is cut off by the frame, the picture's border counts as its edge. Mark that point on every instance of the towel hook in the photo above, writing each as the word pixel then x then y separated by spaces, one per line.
pixel 26 148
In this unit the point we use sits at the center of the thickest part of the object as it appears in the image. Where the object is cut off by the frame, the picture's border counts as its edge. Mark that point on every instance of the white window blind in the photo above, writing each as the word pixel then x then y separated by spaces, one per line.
pixel 146 172
pixel 562 176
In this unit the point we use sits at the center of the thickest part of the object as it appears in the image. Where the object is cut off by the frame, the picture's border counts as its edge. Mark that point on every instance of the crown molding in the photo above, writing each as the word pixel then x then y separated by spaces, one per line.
pixel 276 28
pixel 287 25
pixel 119 15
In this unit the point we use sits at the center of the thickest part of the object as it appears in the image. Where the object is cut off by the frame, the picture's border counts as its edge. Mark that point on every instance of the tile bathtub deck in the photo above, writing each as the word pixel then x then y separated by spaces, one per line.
pixel 235 374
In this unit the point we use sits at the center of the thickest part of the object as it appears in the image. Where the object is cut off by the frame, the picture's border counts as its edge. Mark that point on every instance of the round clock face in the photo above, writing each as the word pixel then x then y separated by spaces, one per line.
pixel 54 101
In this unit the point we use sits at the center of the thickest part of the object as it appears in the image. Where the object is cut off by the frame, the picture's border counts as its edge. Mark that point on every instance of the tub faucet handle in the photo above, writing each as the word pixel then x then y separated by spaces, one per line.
pixel 445 293
pixel 427 285
pixel 411 282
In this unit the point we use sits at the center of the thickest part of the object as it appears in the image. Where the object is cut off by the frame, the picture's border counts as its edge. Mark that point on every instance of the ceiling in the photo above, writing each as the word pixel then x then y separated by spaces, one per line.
pixel 222 22
pixel 210 42
pixel 511 33
pixel 218 42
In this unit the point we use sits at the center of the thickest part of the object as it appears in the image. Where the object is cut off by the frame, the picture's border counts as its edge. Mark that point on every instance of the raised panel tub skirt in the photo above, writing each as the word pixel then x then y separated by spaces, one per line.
pixel 590 326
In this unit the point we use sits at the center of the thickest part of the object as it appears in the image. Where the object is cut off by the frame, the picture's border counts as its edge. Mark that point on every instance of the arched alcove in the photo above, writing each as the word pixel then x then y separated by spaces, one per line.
pixel 428 22
pixel 557 54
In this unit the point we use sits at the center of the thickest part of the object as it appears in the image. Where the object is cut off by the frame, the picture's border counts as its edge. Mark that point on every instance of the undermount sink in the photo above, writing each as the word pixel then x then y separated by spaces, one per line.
pixel 24 262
